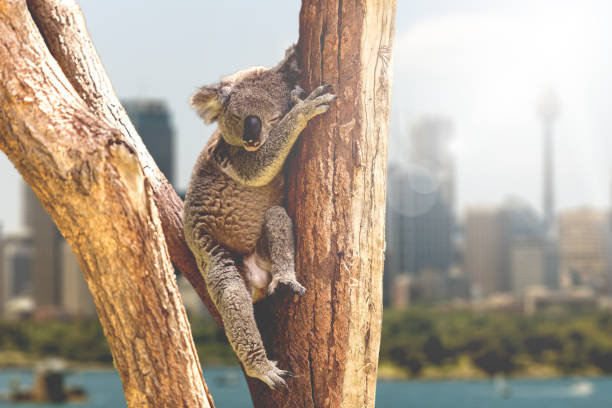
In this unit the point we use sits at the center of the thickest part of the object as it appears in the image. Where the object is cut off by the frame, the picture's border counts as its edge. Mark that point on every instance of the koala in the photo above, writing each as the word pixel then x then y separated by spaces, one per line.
pixel 234 222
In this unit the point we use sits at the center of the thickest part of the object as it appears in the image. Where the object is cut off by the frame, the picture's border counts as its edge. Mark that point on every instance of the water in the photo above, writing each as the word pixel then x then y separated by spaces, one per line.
pixel 230 391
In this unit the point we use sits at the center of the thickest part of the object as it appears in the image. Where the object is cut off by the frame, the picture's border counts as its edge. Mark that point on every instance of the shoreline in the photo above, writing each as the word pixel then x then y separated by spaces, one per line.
pixel 386 372
pixel 390 372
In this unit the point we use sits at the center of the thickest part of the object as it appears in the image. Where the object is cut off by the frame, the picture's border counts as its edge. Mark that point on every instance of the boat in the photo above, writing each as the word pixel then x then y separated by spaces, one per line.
pixel 48 386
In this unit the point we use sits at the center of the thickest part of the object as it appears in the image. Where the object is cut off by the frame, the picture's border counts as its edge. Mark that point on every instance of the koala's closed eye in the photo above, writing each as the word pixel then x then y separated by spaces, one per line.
pixel 275 120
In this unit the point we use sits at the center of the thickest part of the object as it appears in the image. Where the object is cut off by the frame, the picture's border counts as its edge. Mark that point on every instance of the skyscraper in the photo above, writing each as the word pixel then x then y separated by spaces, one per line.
pixel 76 298
pixel 57 280
pixel 46 244
pixel 420 218
pixel 585 244
pixel 429 149
pixel 483 250
pixel 17 261
pixel 152 121
pixel 494 237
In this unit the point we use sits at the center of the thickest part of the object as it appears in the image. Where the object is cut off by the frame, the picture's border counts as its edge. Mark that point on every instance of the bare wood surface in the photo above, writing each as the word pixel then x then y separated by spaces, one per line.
pixel 330 337
pixel 63 27
pixel 88 176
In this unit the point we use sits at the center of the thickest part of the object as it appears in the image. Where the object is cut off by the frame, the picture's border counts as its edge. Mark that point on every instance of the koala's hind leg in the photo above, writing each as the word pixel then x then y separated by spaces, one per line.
pixel 230 295
pixel 277 240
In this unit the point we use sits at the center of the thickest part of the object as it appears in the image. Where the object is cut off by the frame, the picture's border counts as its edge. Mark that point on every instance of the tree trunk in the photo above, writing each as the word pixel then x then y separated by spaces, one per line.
pixel 330 337
pixel 63 28
pixel 88 174
pixel 64 129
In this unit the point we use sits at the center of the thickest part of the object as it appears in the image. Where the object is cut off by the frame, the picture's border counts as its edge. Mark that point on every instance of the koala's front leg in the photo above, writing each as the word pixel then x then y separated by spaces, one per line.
pixel 279 246
pixel 229 293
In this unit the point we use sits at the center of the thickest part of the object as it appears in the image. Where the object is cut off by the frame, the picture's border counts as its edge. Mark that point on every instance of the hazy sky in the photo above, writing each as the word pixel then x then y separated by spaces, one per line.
pixel 481 63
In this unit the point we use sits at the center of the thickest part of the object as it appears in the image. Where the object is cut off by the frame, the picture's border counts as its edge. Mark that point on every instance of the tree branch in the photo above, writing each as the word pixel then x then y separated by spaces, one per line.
pixel 63 27
pixel 89 178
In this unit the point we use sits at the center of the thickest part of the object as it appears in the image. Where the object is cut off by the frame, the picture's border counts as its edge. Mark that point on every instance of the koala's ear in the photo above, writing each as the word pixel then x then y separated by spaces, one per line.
pixel 208 101
pixel 288 67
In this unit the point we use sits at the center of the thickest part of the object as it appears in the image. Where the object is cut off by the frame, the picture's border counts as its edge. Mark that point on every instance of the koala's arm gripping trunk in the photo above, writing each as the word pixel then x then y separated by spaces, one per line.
pixel 259 168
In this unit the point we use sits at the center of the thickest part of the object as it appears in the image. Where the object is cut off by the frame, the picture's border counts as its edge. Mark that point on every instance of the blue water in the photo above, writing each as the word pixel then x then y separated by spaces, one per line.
pixel 230 391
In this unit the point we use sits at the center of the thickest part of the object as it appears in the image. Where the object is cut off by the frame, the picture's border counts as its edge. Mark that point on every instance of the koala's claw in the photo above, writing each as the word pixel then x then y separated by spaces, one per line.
pixel 323 89
pixel 273 376
pixel 316 103
pixel 325 99
pixel 290 283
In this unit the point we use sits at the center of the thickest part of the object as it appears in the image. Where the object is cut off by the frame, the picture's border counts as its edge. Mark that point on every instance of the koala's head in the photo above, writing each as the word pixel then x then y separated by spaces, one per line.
pixel 249 103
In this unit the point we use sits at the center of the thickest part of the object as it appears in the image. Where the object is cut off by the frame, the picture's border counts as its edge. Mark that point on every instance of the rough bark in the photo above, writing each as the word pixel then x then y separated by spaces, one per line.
pixel 330 337
pixel 93 178
pixel 63 27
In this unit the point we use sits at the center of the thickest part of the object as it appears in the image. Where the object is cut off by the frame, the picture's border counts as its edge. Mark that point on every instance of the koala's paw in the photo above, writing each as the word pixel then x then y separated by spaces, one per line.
pixel 291 283
pixel 316 103
pixel 269 373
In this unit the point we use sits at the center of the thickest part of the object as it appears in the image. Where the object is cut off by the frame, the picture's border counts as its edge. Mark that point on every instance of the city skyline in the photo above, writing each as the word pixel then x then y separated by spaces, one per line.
pixel 481 63
pixel 506 255
pixel 39 274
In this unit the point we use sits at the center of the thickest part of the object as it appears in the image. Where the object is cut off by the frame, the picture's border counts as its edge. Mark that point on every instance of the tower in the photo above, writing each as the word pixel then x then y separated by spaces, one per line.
pixel 548 110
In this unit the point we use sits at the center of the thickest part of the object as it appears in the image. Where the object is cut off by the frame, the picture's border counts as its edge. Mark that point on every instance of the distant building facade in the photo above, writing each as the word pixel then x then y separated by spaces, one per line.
pixel 495 240
pixel 584 248
pixel 46 242
pixel 528 265
pixel 55 283
pixel 76 297
pixel 17 269
pixel 483 256
pixel 151 119
pixel 420 222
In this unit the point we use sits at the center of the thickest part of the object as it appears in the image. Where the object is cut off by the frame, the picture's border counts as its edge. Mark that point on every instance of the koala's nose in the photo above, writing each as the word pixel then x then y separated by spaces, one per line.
pixel 252 131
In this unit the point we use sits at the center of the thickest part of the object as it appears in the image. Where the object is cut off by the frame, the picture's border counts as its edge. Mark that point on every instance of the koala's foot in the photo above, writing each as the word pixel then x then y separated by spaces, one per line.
pixel 288 281
pixel 268 372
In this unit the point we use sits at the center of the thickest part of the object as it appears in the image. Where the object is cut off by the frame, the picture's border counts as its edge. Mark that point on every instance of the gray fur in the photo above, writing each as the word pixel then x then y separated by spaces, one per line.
pixel 240 235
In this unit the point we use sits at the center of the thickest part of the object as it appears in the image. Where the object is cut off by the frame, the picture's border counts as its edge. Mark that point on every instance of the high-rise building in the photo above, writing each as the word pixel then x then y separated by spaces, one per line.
pixel 585 249
pixel 152 121
pixel 17 258
pixel 420 221
pixel 483 246
pixel 400 291
pixel 57 282
pixel 46 244
pixel 429 149
pixel 191 300
pixel 491 236
pixel 76 298
pixel 528 265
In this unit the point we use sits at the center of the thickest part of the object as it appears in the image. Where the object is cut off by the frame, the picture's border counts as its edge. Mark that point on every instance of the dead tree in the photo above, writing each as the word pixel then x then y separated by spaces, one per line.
pixel 65 131
pixel 330 337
